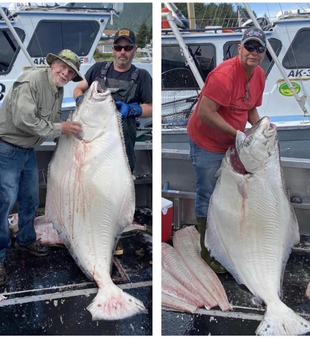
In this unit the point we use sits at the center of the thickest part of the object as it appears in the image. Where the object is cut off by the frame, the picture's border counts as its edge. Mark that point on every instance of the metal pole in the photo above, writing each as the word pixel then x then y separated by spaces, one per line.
pixel 184 48
pixel 300 101
pixel 176 13
pixel 17 38
pixel 191 15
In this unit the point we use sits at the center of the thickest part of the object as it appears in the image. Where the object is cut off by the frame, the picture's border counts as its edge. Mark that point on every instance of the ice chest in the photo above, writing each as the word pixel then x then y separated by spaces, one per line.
pixel 166 219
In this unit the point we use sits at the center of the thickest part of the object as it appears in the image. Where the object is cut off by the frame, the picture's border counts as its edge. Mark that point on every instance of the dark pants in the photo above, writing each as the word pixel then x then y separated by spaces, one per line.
pixel 18 182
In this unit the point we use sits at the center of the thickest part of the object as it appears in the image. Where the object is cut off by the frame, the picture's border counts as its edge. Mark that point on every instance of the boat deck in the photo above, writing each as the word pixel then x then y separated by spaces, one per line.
pixel 49 295
pixel 245 316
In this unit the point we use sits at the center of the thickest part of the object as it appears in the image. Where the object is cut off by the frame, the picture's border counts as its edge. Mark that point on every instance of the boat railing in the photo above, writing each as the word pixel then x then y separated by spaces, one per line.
pixel 12 14
pixel 216 29
pixel 180 94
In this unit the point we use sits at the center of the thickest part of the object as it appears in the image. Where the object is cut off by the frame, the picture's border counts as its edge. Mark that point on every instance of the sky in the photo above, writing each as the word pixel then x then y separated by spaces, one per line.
pixel 271 9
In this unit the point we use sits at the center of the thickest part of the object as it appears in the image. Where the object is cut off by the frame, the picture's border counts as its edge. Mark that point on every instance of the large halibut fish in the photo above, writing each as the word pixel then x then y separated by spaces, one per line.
pixel 91 198
pixel 252 225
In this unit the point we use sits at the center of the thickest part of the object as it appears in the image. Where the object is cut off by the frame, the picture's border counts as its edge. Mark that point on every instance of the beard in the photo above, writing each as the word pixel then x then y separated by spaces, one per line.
pixel 59 81
pixel 123 60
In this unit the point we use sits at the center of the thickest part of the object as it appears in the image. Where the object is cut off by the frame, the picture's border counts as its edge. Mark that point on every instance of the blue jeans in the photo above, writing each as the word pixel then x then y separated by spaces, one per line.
pixel 205 164
pixel 18 182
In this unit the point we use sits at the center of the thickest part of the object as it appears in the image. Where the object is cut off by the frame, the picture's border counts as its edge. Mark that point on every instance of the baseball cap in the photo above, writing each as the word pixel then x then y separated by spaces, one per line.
pixel 127 34
pixel 254 33
pixel 69 58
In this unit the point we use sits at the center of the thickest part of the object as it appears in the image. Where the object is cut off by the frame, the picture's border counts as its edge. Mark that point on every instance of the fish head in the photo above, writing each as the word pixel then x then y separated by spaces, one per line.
pixel 257 145
pixel 95 112
pixel 96 94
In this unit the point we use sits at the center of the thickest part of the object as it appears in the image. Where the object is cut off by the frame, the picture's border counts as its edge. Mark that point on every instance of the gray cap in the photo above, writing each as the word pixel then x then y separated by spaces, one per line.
pixel 254 33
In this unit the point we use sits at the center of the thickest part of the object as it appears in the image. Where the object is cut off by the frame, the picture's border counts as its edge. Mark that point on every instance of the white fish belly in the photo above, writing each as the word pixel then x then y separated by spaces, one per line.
pixel 90 199
pixel 251 229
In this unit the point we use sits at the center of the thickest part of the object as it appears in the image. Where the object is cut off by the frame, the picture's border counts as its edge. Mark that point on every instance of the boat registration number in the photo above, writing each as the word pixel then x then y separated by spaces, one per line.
pixel 299 73
pixel 2 91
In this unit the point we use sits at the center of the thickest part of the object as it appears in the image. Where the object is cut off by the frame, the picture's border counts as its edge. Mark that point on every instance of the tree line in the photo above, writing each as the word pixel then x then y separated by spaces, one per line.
pixel 221 14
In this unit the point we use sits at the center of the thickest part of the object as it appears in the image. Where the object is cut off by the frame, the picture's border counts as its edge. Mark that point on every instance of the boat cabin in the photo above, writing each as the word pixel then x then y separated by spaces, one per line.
pixel 290 40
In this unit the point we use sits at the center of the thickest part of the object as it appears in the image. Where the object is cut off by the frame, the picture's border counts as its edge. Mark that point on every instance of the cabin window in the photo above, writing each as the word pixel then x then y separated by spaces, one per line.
pixel 9 49
pixel 54 36
pixel 230 50
pixel 297 56
pixel 173 62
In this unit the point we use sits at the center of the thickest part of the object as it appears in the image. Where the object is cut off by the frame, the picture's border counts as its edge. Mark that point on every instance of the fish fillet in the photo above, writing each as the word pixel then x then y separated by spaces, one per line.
pixel 172 287
pixel 172 302
pixel 173 263
pixel 186 242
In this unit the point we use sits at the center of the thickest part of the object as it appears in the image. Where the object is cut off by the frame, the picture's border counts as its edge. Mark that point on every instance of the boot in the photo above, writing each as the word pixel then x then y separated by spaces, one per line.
pixel 36 248
pixel 205 254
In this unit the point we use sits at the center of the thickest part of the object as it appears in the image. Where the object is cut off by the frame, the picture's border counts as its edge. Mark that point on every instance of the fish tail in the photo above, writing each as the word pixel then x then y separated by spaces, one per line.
pixel 281 320
pixel 111 303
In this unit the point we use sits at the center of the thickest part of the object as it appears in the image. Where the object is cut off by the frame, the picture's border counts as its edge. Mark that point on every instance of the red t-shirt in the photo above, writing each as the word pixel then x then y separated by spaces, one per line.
pixel 227 85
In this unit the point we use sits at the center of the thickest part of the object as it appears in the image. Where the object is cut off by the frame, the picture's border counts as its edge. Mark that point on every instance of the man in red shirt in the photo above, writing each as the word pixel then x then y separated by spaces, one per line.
pixel 228 101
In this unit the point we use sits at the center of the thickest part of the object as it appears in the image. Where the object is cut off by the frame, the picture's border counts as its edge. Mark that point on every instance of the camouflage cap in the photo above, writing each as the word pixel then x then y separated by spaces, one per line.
pixel 69 58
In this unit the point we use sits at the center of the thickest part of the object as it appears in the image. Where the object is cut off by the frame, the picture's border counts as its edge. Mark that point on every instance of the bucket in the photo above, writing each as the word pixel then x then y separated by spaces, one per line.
pixel 166 219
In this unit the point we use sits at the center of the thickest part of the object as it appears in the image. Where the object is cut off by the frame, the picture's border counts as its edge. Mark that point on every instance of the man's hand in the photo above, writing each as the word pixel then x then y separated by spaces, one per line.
pixel 70 128
pixel 129 110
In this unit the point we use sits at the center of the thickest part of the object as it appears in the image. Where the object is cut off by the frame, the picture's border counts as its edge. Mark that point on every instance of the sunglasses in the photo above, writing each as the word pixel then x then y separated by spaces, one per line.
pixel 127 48
pixel 251 48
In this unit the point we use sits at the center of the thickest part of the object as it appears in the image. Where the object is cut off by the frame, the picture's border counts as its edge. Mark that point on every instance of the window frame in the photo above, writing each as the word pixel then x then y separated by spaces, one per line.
pixel 33 38
pixel 290 48
pixel 184 60
pixel 22 38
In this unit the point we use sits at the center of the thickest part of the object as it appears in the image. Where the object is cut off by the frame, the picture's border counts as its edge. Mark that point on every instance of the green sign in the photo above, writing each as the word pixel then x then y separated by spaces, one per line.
pixel 285 91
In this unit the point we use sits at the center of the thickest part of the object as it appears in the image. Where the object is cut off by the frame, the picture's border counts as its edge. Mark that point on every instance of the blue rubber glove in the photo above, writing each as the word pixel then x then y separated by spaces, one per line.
pixel 78 98
pixel 129 110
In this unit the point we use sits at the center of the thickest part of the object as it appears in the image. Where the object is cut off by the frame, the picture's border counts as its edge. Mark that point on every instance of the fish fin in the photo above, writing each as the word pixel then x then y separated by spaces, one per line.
pixel 121 131
pixel 293 238
pixel 281 320
pixel 111 303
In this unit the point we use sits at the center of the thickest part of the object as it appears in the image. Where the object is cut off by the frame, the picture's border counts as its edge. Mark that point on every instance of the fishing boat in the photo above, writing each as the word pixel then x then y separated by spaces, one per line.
pixel 144 55
pixel 49 29
pixel 188 56
pixel 289 37
pixel 185 69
